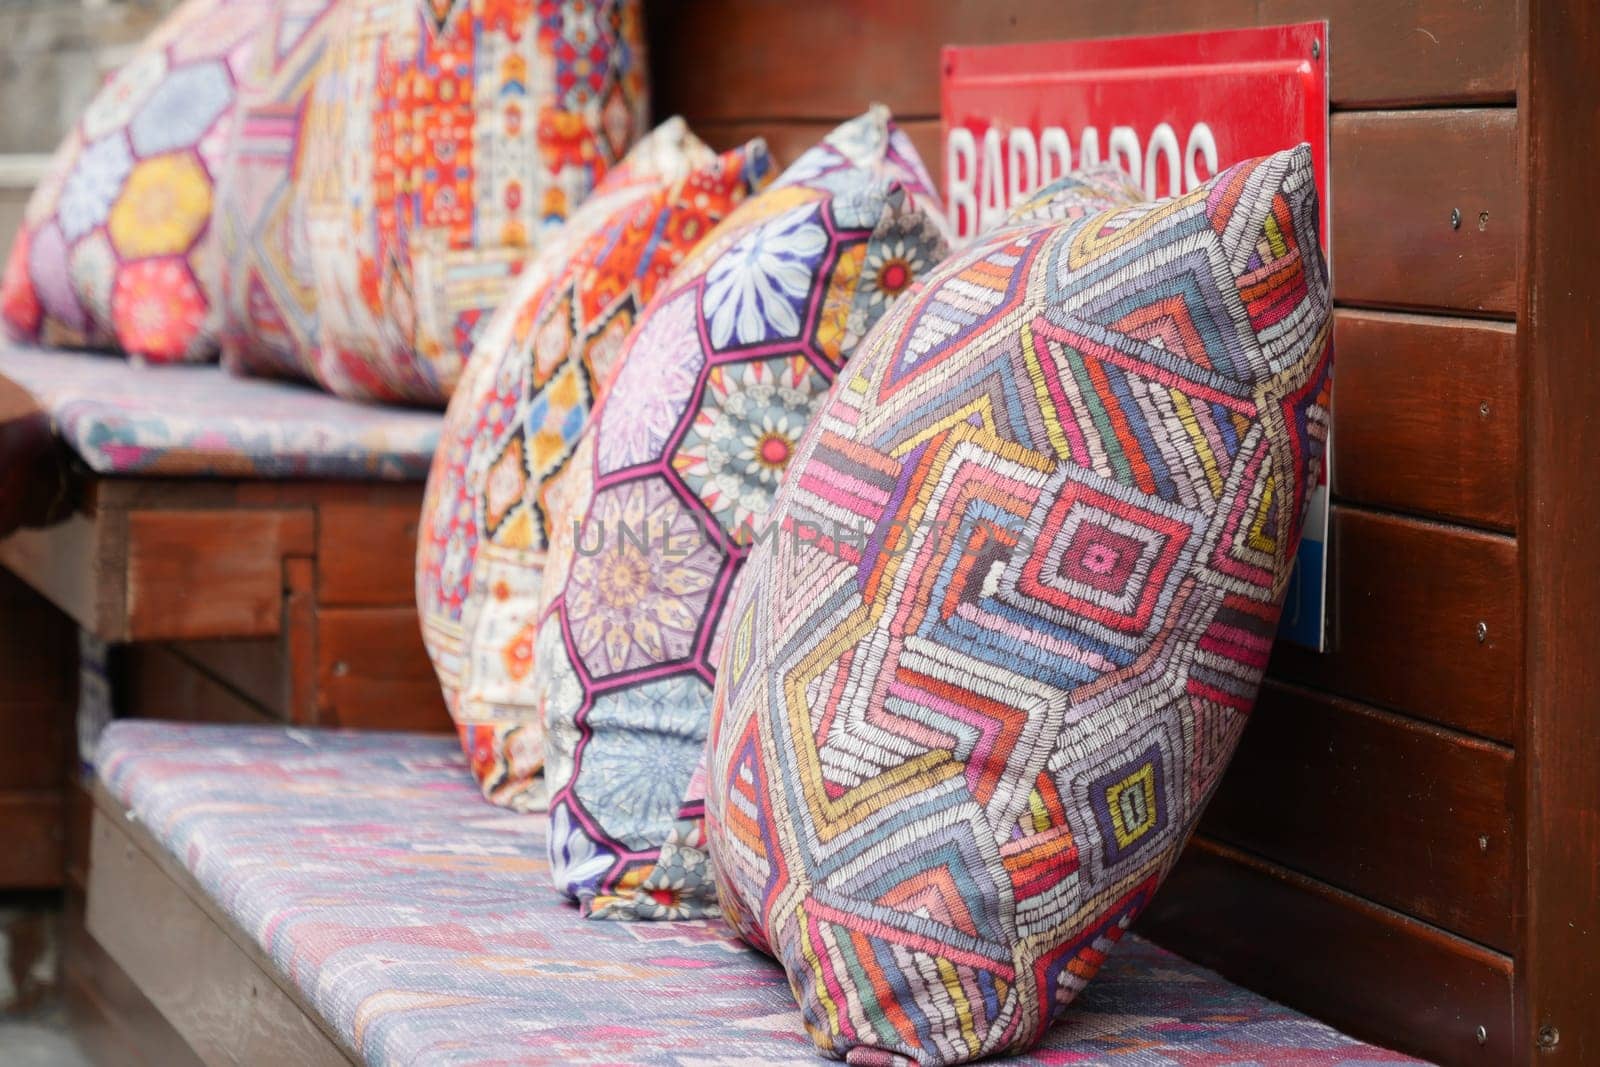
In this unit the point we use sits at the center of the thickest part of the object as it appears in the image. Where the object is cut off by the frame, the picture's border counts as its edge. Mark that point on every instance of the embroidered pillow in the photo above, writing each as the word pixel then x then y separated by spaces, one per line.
pixel 445 141
pixel 511 425
pixel 115 245
pixel 267 305
pixel 672 480
pixel 958 744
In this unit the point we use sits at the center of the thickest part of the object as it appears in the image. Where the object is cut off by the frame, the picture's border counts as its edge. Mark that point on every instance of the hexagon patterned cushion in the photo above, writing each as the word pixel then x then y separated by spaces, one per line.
pixel 446 140
pixel 524 397
pixel 672 480
pixel 266 304
pixel 956 749
pixel 115 246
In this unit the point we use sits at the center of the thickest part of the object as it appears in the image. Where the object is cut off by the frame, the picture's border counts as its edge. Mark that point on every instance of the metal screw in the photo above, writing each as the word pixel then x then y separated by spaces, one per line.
pixel 1482 1035
pixel 1483 632
pixel 341 668
pixel 1483 846
pixel 1316 49
pixel 1483 221
pixel 1455 218
pixel 1483 409
pixel 1549 1036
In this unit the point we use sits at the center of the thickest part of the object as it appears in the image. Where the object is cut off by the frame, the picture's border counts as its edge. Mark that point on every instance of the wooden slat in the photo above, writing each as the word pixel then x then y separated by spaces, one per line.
pixel 734 59
pixel 79 565
pixel 198 574
pixel 31 828
pixel 215 993
pixel 1407 599
pixel 1407 815
pixel 160 684
pixel 1425 415
pixel 1396 178
pixel 373 672
pixel 1365 969
pixel 366 553
pixel 300 639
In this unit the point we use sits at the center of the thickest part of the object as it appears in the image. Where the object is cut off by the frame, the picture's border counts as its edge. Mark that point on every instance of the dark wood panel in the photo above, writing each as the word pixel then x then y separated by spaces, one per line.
pixel 1425 415
pixel 373 672
pixel 31 828
pixel 33 744
pixel 38 647
pixel 1365 969
pixel 255 668
pixel 828 58
pixel 1410 816
pixel 1397 177
pixel 1408 599
pixel 366 553
pixel 1560 742
pixel 160 684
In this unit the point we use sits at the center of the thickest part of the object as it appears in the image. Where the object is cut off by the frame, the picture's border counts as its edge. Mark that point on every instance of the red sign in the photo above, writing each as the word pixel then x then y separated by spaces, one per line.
pixel 1172 111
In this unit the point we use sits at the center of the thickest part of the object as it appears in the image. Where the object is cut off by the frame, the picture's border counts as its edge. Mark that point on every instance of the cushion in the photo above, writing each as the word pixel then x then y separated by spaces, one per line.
pixel 969 733
pixel 445 141
pixel 121 418
pixel 266 303
pixel 115 246
pixel 420 926
pixel 677 471
pixel 514 418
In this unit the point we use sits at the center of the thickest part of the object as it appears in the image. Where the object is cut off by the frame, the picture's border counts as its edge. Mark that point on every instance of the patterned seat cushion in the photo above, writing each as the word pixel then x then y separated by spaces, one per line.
pixel 187 421
pixel 958 746
pixel 512 423
pixel 445 141
pixel 671 482
pixel 116 247
pixel 420 924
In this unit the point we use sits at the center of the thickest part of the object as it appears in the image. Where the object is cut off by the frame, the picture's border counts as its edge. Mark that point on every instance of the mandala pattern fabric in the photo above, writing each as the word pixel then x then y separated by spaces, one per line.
pixel 121 418
pixel 419 924
pixel 116 246
pixel 672 482
pixel 445 142
pixel 962 733
pixel 512 424
pixel 267 302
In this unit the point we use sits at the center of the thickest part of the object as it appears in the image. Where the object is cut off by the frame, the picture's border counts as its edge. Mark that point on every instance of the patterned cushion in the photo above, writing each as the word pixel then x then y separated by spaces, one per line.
pixel 963 740
pixel 676 470
pixel 266 302
pixel 121 418
pixel 446 139
pixel 524 397
pixel 420 926
pixel 115 246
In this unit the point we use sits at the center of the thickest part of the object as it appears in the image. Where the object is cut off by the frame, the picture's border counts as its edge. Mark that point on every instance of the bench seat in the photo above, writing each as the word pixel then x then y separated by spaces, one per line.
pixel 412 923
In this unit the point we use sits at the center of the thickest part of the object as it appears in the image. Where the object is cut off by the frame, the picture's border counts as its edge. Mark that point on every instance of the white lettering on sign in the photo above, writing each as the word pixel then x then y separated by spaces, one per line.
pixel 985 179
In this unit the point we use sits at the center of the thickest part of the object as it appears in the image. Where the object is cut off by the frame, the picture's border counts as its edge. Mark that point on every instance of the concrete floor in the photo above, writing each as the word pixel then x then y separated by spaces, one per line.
pixel 39 1039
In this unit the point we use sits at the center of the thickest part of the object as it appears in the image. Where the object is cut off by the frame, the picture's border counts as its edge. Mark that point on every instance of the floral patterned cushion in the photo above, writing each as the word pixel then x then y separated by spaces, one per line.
pixel 445 142
pixel 672 480
pixel 116 247
pixel 524 398
pixel 267 305
pixel 957 747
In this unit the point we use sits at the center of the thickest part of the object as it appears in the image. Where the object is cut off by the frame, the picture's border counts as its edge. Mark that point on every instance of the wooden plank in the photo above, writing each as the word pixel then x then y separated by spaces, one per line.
pixel 1409 816
pixel 215 993
pixel 1367 970
pixel 256 668
pixel 160 684
pixel 825 59
pixel 79 565
pixel 1560 801
pixel 373 672
pixel 1408 599
pixel 1396 177
pixel 197 574
pixel 367 553
pixel 31 827
pixel 300 639
pixel 1426 417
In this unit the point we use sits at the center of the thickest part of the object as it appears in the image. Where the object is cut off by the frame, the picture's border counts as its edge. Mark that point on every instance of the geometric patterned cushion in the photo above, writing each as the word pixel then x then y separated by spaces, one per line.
pixel 512 424
pixel 673 480
pixel 116 249
pixel 418 923
pixel 956 749
pixel 267 306
pixel 445 141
